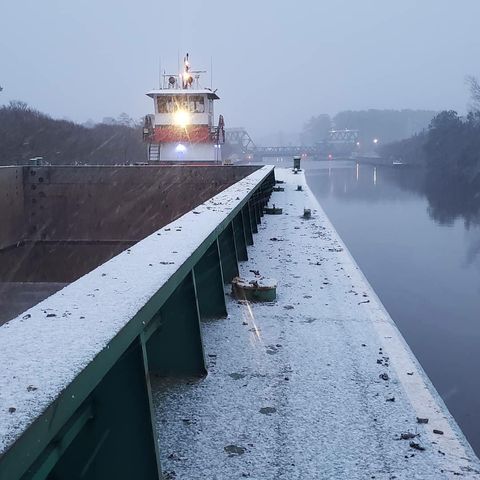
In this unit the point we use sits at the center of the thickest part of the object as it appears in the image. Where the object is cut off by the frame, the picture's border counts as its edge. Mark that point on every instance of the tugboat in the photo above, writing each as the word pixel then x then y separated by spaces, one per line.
pixel 182 130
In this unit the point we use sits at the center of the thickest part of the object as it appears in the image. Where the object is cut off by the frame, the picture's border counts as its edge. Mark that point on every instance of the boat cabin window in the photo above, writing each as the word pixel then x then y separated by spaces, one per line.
pixel 197 104
pixel 173 103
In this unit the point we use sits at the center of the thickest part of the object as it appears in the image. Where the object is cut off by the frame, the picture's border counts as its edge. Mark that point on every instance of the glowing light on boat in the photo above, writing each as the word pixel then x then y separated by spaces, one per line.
pixel 182 118
pixel 180 148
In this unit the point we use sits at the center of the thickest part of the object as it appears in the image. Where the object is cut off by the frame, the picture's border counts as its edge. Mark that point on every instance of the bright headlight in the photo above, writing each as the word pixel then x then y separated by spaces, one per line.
pixel 182 118
pixel 180 148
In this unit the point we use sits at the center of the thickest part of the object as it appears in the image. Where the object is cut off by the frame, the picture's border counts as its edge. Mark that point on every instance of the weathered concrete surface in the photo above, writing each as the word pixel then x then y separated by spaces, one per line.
pixel 61 262
pixel 11 206
pixel 317 385
pixel 32 271
pixel 117 203
pixel 103 203
pixel 16 297
pixel 60 222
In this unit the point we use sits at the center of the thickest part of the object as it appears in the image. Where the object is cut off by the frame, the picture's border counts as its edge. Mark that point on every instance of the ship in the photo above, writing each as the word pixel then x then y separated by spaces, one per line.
pixel 183 128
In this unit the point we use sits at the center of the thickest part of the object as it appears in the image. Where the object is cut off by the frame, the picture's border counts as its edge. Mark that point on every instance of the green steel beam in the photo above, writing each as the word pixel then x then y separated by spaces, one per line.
pixel 247 224
pixel 46 463
pixel 240 240
pixel 176 347
pixel 111 435
pixel 253 216
pixel 228 254
pixel 209 282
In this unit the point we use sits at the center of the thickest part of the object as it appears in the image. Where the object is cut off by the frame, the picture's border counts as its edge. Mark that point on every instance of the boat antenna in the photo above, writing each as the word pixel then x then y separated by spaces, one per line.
pixel 211 73
pixel 178 62
pixel 159 72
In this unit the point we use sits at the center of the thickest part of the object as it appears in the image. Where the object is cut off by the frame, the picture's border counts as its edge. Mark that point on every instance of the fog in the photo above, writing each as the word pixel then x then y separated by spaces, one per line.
pixel 275 64
pixel 141 252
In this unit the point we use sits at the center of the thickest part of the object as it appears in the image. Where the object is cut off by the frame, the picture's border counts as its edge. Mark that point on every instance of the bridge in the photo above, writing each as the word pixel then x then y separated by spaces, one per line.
pixel 345 136
pixel 239 140
pixel 289 151
pixel 338 141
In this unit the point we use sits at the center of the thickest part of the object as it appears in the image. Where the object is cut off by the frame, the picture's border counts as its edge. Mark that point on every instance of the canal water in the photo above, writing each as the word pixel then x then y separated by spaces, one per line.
pixel 423 262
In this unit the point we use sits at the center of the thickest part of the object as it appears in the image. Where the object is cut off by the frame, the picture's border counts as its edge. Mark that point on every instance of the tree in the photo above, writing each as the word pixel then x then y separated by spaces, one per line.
pixel 316 129
pixel 27 133
pixel 474 92
pixel 125 119
pixel 108 121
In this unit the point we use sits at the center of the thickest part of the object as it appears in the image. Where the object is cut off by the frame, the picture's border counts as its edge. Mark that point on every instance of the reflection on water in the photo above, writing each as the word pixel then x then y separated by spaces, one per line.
pixel 419 249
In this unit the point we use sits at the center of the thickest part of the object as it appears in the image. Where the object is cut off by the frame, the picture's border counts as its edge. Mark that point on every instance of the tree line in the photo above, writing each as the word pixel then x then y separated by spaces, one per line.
pixel 385 125
pixel 26 133
pixel 448 142
pixel 449 151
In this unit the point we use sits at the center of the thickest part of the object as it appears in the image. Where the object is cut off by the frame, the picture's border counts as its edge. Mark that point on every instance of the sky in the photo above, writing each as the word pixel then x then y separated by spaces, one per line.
pixel 275 63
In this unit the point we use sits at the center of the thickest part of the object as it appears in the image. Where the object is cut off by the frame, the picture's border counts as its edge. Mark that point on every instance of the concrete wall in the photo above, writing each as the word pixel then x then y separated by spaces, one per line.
pixel 99 203
pixel 58 223
pixel 11 206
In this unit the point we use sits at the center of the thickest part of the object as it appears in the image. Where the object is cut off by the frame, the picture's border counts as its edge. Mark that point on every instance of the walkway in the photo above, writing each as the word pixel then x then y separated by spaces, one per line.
pixel 318 385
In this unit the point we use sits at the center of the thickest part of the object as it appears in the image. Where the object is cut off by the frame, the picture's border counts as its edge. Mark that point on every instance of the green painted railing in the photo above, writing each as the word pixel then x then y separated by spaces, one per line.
pixel 75 398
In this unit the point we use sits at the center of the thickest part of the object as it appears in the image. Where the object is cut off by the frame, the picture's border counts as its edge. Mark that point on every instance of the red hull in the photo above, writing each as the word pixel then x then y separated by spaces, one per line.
pixel 191 134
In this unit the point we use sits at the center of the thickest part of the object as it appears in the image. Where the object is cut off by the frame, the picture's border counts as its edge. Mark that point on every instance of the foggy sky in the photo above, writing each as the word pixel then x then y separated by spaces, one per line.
pixel 275 63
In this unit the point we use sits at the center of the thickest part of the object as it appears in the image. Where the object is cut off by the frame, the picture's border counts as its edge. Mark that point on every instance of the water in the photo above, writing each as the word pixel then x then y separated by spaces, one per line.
pixel 426 273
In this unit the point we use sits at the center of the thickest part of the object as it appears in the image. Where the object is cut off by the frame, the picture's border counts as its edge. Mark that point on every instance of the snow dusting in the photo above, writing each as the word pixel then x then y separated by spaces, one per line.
pixel 46 347
pixel 316 385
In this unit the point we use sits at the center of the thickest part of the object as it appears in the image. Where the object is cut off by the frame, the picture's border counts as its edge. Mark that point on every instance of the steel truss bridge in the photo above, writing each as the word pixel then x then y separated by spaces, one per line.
pixel 239 140
pixel 289 151
pixel 338 140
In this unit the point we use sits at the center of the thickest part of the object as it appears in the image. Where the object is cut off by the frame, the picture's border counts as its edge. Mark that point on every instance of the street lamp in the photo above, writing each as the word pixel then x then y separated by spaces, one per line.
pixel 375 141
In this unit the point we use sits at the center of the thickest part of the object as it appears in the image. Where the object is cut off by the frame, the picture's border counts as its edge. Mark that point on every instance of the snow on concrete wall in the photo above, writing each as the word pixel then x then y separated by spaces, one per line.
pixel 44 349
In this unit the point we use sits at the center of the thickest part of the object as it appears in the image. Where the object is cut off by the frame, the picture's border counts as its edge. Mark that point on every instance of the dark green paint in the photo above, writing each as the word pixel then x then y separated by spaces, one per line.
pixel 175 348
pixel 209 282
pixel 228 254
pixel 240 240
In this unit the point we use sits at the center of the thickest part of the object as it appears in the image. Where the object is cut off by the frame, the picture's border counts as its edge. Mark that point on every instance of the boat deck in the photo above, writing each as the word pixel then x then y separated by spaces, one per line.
pixel 319 384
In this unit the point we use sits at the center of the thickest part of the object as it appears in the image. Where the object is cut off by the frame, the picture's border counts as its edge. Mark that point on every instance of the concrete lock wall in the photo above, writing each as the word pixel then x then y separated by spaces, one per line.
pixel 103 203
pixel 60 222
pixel 11 206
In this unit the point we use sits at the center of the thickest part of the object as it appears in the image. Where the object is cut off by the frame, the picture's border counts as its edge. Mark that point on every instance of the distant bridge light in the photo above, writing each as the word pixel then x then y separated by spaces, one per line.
pixel 375 141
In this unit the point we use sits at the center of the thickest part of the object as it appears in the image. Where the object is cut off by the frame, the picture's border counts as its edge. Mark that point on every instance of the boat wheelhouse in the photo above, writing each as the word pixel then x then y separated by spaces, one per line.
pixel 183 128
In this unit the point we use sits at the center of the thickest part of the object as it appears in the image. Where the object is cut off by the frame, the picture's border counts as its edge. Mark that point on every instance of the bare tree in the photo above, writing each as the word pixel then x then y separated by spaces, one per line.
pixel 472 82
